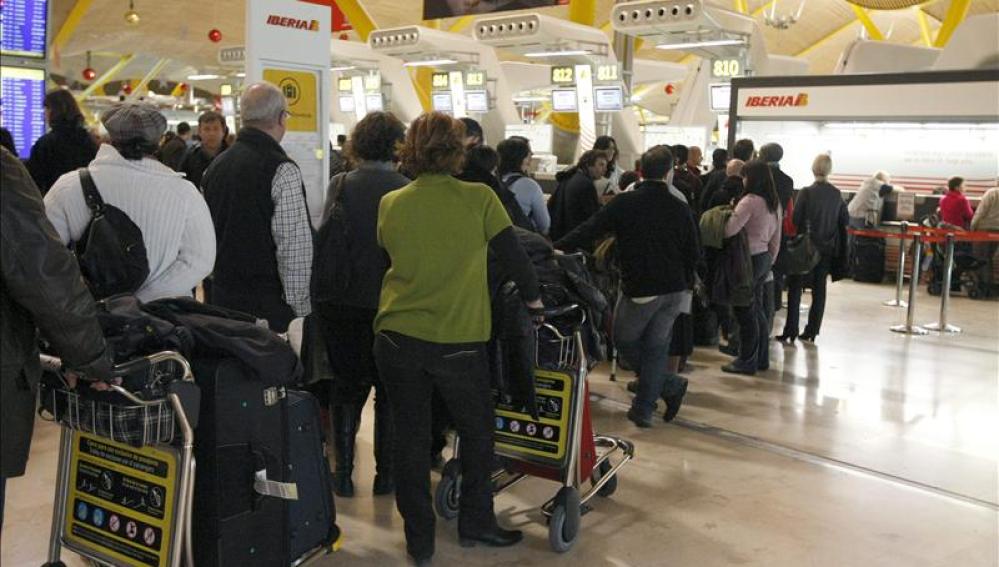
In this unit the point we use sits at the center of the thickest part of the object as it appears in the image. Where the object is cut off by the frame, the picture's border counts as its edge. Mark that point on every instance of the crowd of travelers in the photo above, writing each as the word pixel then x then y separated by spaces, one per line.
pixel 400 278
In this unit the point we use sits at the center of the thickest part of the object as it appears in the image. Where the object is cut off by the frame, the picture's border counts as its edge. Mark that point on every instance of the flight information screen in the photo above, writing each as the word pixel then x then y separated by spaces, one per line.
pixel 24 27
pixel 22 111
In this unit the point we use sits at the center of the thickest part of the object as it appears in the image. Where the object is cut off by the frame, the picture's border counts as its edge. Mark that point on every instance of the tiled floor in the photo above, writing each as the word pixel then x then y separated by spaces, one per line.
pixel 866 449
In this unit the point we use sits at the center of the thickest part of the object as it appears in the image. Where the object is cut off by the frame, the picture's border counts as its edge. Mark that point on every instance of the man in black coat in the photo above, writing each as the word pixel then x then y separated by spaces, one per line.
pixel 575 200
pixel 41 289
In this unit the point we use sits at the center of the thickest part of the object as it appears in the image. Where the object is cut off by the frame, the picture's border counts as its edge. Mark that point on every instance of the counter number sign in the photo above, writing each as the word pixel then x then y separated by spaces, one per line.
pixel 344 84
pixel 475 79
pixel 608 73
pixel 564 75
pixel 726 68
pixel 441 81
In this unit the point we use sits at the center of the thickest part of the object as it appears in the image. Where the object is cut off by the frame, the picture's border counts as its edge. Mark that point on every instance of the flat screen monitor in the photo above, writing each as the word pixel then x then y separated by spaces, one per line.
pixel 346 103
pixel 564 100
pixel 608 99
pixel 721 95
pixel 442 102
pixel 22 110
pixel 373 102
pixel 477 101
pixel 24 27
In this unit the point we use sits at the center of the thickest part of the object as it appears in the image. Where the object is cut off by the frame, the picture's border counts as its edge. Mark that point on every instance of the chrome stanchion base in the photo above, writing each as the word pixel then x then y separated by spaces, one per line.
pixel 895 303
pixel 914 330
pixel 953 329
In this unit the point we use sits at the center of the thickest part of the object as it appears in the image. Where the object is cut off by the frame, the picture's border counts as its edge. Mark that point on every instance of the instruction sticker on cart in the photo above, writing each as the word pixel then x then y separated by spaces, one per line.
pixel 120 501
pixel 519 434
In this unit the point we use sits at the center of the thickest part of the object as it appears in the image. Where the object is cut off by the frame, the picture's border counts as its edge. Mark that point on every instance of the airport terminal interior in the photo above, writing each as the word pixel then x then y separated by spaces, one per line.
pixel 860 138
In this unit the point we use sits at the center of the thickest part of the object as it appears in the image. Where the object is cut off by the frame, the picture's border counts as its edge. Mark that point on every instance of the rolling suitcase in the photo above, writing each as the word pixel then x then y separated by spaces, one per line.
pixel 868 259
pixel 311 518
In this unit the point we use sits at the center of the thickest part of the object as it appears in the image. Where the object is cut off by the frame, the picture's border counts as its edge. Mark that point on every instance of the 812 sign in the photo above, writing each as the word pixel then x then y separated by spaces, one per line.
pixel 726 68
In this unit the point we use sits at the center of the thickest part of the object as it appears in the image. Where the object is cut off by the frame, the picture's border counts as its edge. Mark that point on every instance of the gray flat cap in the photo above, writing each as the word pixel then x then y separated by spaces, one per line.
pixel 130 120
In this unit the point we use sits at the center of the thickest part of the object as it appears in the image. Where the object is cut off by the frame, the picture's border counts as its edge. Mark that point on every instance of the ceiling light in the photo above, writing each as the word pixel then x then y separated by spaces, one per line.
pixel 429 63
pixel 131 16
pixel 564 52
pixel 697 44
pixel 203 77
pixel 343 68
pixel 240 75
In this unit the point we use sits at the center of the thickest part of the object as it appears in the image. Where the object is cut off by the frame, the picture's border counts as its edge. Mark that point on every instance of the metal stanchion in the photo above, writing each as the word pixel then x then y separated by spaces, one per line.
pixel 942 325
pixel 899 280
pixel 908 328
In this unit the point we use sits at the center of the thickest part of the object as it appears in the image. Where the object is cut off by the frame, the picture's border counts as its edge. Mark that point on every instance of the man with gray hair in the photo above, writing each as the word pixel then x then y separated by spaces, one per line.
pixel 257 199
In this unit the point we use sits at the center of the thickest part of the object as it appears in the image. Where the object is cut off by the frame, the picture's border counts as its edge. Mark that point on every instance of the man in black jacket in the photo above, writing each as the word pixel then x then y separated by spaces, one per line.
pixel 42 290
pixel 658 252
pixel 211 133
pixel 772 154
pixel 576 199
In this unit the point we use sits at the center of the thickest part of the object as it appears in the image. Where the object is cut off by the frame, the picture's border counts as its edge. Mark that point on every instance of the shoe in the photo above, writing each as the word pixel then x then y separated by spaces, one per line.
pixel 785 339
pixel 643 422
pixel 762 367
pixel 423 561
pixel 345 422
pixel 729 349
pixel 808 337
pixel 732 368
pixel 497 537
pixel 384 479
pixel 674 402
pixel 633 386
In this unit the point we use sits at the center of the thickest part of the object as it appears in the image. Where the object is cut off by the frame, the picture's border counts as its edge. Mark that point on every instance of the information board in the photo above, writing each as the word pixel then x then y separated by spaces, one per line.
pixel 22 111
pixel 564 100
pixel 608 99
pixel 122 500
pixel 477 101
pixel 442 102
pixel 24 27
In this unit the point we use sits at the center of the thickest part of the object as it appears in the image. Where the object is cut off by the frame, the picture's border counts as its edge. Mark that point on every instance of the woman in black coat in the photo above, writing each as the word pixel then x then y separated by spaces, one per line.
pixel 820 211
pixel 66 147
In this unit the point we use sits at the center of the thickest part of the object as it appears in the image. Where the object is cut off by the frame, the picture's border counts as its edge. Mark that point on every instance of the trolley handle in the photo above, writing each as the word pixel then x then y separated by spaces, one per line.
pixel 552 313
pixel 54 364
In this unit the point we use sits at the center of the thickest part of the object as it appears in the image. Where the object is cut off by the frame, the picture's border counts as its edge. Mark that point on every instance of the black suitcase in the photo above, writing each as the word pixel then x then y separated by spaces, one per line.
pixel 311 518
pixel 868 259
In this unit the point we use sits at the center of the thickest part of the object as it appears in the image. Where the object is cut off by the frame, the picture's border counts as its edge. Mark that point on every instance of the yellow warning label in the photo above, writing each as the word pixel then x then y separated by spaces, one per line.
pixel 300 88
pixel 519 434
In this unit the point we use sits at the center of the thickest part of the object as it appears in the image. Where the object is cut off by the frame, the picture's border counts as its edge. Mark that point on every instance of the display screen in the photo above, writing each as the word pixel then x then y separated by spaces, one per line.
pixel 477 101
pixel 442 102
pixel 24 27
pixel 721 95
pixel 608 99
pixel 22 110
pixel 564 100
pixel 373 102
pixel 346 103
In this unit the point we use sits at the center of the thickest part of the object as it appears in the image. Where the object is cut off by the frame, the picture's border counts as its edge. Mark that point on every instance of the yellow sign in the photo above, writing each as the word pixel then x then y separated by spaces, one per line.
pixel 121 500
pixel 563 75
pixel 441 81
pixel 300 88
pixel 519 435
pixel 726 68
pixel 344 84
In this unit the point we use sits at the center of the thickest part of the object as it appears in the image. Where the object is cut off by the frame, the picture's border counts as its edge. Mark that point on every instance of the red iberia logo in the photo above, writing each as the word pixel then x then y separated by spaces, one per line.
pixel 295 23
pixel 778 101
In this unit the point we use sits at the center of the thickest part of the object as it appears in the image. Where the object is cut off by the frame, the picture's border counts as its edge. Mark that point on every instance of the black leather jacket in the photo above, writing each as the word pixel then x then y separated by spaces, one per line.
pixel 41 289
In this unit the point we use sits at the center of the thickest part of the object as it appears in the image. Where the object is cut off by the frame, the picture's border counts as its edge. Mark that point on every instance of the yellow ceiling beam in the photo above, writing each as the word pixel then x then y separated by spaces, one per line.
pixel 422 78
pixel 144 82
pixel 924 26
pixel 825 39
pixel 956 13
pixel 759 10
pixel 583 12
pixel 872 29
pixel 71 23
pixel 358 17
pixel 461 24
pixel 107 76
pixel 741 6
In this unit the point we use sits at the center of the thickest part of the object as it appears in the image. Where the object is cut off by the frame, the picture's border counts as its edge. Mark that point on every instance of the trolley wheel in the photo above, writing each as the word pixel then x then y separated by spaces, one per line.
pixel 563 526
pixel 448 493
pixel 611 486
pixel 935 288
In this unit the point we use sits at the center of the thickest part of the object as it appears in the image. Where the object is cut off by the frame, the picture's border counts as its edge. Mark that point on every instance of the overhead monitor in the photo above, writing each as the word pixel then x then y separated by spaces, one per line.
pixel 346 103
pixel 22 91
pixel 24 28
pixel 442 102
pixel 564 100
pixel 608 99
pixel 721 95
pixel 373 102
pixel 477 101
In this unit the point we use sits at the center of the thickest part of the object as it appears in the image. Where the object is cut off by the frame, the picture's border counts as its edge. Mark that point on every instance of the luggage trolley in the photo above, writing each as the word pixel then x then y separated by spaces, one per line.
pixel 560 446
pixel 125 480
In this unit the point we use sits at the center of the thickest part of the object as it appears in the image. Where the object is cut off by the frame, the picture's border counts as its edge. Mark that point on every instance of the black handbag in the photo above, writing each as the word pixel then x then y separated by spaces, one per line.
pixel 801 255
pixel 331 265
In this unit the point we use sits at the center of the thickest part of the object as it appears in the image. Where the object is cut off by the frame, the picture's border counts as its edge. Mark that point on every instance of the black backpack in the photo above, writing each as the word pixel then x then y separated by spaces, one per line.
pixel 331 264
pixel 111 253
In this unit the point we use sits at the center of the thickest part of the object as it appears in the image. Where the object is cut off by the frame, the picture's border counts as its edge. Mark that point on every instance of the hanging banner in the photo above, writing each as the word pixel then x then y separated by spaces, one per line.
pixel 433 9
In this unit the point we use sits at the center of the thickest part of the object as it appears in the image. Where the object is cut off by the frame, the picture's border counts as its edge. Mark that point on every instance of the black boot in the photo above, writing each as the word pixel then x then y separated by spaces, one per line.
pixel 345 422
pixel 384 435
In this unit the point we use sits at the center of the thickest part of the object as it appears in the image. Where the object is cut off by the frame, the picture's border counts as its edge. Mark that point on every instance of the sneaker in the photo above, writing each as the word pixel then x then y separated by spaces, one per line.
pixel 643 422
pixel 674 402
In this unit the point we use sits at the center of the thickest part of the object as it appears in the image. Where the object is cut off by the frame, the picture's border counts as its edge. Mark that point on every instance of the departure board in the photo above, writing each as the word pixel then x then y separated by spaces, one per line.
pixel 22 111
pixel 24 27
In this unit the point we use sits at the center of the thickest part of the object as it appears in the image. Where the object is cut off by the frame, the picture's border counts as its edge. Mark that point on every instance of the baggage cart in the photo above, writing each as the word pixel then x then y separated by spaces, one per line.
pixel 559 446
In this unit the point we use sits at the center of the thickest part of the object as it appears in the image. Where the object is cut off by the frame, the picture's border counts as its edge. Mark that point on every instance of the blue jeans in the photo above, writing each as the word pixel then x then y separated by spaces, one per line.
pixel 642 336
pixel 754 323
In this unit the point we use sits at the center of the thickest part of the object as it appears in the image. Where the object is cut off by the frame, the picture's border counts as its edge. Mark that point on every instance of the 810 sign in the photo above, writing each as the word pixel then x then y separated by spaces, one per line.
pixel 726 68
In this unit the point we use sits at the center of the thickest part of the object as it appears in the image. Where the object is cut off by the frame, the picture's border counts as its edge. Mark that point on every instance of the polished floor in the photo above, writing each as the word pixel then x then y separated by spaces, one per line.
pixel 868 448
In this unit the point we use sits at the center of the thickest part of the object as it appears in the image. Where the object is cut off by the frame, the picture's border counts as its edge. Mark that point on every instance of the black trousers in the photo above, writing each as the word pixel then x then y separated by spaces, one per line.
pixel 349 337
pixel 411 369
pixel 819 278
pixel 262 304
pixel 754 324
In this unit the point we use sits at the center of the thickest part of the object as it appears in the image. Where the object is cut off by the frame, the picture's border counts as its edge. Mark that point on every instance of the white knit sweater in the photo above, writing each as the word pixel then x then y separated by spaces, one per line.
pixel 176 225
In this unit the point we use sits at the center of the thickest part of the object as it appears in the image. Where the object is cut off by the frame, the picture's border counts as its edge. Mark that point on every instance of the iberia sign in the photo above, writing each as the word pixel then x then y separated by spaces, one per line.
pixel 778 101
pixel 294 23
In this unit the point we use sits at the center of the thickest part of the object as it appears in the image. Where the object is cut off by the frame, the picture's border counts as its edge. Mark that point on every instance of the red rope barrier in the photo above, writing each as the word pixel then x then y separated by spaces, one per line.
pixel 929 234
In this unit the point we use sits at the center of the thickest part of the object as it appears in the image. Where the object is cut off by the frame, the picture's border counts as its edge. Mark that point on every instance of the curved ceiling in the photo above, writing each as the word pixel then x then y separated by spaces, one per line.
pixel 178 30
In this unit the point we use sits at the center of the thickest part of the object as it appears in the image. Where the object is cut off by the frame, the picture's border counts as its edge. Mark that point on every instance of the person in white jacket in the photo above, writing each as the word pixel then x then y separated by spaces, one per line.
pixel 175 222
pixel 865 207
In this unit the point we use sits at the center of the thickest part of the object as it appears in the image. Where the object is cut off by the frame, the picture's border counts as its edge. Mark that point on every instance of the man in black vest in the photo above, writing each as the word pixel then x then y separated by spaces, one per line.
pixel 257 200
